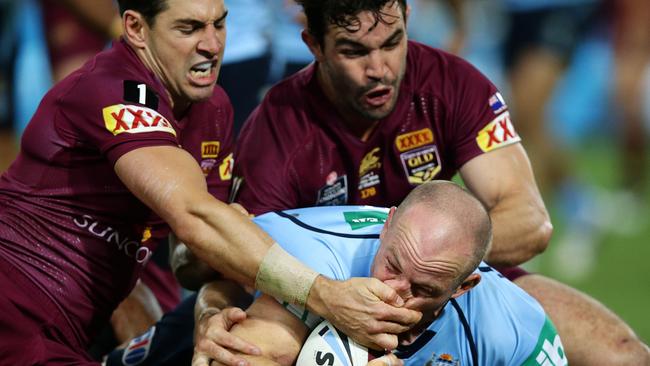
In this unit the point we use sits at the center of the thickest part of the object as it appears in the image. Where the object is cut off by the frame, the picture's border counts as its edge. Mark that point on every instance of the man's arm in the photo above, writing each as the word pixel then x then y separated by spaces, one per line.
pixel 503 180
pixel 168 180
pixel 277 332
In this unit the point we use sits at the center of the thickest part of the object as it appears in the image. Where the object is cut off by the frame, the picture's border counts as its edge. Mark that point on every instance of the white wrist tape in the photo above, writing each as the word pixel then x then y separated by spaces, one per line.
pixel 281 275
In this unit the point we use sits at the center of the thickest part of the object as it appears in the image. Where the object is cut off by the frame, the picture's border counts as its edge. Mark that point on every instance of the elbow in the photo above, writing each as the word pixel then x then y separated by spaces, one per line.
pixel 543 236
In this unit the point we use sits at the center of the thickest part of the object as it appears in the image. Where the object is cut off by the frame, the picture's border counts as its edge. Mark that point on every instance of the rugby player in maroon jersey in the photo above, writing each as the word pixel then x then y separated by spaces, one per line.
pixel 141 131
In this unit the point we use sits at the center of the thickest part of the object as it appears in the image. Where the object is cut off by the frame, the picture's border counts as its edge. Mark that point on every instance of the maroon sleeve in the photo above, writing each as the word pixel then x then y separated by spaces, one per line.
pixel 219 179
pixel 103 120
pixel 479 115
pixel 264 153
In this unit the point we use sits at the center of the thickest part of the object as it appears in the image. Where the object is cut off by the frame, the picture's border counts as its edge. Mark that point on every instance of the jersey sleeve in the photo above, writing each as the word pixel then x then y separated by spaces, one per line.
pixel 480 117
pixel 219 178
pixel 264 154
pixel 114 116
pixel 510 327
pixel 548 349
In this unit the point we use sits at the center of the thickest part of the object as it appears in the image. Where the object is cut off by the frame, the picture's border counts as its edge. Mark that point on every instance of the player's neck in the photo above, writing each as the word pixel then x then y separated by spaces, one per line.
pixel 179 105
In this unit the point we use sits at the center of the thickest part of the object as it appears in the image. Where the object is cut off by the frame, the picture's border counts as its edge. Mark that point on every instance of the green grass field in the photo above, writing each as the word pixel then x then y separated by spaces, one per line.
pixel 621 276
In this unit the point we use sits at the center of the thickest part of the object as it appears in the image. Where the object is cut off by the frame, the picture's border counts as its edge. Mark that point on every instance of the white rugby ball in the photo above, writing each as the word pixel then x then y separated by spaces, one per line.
pixel 328 346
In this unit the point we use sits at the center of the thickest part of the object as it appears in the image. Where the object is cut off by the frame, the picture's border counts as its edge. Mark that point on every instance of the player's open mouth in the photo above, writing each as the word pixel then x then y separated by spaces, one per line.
pixel 379 97
pixel 203 72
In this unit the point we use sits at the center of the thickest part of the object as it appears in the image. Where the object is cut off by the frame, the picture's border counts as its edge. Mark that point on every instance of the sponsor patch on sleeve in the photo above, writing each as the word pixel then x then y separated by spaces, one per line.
pixel 123 118
pixel 498 133
pixel 548 350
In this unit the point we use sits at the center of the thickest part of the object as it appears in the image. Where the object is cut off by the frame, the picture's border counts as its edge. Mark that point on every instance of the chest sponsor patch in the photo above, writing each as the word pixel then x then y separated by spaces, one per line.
pixel 225 169
pixel 122 118
pixel 414 139
pixel 210 149
pixel 334 194
pixel 421 165
pixel 498 133
pixel 360 219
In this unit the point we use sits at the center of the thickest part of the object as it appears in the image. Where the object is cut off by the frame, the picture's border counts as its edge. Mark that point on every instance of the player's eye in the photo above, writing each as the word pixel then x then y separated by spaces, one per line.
pixel 353 52
pixel 186 30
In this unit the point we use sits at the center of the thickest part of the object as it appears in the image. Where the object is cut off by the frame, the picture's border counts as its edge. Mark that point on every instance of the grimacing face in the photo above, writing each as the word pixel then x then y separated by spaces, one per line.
pixel 425 280
pixel 186 45
pixel 364 69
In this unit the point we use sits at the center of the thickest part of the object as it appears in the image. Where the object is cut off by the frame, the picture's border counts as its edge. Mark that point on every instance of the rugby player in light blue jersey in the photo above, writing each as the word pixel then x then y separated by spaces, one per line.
pixel 429 250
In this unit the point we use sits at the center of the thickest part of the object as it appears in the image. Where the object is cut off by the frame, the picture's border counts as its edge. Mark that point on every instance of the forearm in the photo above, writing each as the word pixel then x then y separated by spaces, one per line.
pixel 217 295
pixel 191 272
pixel 521 230
pixel 503 180
pixel 277 332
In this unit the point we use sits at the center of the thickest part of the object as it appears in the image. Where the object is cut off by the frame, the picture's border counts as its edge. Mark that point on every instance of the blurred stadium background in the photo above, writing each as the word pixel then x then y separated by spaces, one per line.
pixel 601 243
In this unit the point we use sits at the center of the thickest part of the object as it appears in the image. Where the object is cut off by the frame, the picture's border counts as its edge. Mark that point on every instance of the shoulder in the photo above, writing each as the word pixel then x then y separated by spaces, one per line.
pixel 283 116
pixel 114 76
pixel 438 71
pixel 506 322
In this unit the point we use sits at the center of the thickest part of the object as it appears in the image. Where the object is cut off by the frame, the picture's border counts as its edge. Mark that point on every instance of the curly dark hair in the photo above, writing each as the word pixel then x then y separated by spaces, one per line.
pixel 148 8
pixel 343 13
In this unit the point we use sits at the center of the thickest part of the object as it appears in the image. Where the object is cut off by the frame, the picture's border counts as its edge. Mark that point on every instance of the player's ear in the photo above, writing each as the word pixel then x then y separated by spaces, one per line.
pixel 134 28
pixel 388 220
pixel 469 283
pixel 312 43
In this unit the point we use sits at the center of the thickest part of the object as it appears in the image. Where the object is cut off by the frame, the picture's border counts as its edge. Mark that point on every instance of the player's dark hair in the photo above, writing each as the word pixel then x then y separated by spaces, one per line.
pixel 344 13
pixel 148 8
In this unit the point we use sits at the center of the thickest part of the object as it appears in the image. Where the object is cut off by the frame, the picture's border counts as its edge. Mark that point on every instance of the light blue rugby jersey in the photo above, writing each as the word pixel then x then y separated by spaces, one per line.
pixel 495 323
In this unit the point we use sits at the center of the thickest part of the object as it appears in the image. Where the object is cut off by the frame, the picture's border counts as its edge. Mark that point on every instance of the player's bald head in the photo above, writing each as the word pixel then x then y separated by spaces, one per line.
pixel 454 213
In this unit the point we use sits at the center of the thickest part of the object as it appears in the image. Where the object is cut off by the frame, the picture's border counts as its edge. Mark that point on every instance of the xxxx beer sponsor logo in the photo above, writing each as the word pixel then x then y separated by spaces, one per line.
pixel 421 165
pixel 209 149
pixel 497 133
pixel 414 139
pixel 121 118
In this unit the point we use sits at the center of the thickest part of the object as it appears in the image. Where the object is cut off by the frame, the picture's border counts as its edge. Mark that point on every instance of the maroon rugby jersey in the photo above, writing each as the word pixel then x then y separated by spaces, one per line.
pixel 66 220
pixel 295 150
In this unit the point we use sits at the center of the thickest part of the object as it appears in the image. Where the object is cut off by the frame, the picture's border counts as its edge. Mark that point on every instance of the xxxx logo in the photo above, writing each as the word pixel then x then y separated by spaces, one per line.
pixel 497 133
pixel 414 139
pixel 122 118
